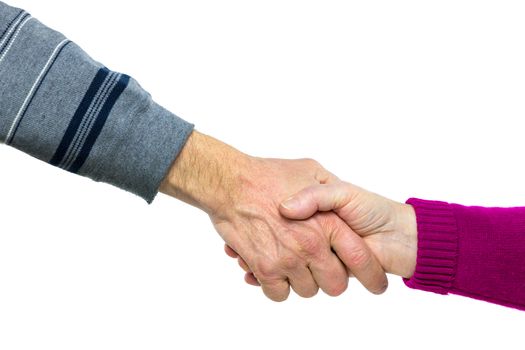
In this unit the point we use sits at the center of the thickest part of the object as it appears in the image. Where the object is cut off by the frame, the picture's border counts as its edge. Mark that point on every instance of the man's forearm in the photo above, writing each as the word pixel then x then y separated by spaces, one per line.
pixel 61 106
pixel 205 173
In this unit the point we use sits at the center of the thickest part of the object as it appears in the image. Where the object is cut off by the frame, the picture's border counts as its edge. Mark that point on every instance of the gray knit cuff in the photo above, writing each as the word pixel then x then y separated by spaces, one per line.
pixel 137 147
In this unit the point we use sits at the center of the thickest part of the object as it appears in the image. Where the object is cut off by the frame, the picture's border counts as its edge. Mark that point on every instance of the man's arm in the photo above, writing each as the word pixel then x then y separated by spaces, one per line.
pixel 206 173
pixel 241 194
pixel 61 106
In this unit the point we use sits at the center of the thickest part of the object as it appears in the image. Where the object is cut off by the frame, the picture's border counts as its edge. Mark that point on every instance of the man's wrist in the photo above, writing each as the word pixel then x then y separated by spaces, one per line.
pixel 205 173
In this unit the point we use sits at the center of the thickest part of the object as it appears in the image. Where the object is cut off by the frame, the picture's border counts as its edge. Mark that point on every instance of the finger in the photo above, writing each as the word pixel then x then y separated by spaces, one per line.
pixel 323 197
pixel 303 283
pixel 330 274
pixel 276 290
pixel 230 252
pixel 243 264
pixel 250 279
pixel 355 254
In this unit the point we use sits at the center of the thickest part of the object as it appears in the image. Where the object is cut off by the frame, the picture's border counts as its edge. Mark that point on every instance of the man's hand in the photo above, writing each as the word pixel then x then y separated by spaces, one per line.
pixel 242 195
pixel 388 227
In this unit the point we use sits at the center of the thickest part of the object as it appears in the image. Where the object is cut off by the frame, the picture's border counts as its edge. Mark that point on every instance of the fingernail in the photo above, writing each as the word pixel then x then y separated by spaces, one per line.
pixel 291 203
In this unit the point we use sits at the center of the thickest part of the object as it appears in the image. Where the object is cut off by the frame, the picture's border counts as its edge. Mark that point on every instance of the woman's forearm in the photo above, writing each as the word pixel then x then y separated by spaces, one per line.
pixel 472 251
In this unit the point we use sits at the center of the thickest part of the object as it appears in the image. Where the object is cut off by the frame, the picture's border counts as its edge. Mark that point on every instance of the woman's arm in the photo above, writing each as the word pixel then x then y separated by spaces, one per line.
pixel 436 246
pixel 472 251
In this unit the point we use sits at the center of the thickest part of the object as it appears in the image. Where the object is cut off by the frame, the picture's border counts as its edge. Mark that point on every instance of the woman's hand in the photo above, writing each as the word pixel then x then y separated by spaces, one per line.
pixel 388 227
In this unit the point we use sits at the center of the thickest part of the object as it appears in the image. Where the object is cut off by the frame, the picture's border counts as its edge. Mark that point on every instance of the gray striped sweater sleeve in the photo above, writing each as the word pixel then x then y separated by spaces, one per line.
pixel 59 105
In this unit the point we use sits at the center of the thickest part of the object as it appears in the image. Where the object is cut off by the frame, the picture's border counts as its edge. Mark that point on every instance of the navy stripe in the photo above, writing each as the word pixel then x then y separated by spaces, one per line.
pixel 10 23
pixel 78 116
pixel 84 127
pixel 99 123
pixel 13 33
pixel 35 92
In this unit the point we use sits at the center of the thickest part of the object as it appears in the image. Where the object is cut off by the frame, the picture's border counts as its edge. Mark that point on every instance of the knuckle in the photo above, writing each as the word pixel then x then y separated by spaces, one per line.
pixel 276 293
pixel 265 270
pixel 280 298
pixel 288 262
pixel 336 289
pixel 311 244
pixel 309 293
pixel 359 258
pixel 311 162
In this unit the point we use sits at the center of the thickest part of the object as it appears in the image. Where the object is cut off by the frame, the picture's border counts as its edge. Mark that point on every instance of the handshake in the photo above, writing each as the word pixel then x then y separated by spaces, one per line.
pixel 291 223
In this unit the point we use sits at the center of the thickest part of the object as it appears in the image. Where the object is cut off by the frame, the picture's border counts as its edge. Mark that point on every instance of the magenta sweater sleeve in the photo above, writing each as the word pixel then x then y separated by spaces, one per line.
pixel 476 252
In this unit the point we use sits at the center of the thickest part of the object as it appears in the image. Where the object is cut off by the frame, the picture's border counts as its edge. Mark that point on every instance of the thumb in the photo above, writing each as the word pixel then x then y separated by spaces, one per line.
pixel 322 197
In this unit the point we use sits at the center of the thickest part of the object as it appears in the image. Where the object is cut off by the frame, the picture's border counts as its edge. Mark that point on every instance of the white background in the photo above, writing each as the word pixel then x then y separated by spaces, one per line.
pixel 406 98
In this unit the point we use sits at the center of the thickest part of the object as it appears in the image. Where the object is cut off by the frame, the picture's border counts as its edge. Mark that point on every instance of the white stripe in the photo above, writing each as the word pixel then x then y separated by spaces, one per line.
pixel 14 38
pixel 31 92
pixel 13 26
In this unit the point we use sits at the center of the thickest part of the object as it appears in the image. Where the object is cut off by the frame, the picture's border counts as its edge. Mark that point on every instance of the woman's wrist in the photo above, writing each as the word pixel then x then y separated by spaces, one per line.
pixel 404 254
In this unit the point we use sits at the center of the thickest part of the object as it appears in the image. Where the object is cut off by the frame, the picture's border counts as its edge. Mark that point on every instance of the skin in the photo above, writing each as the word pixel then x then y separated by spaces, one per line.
pixel 389 228
pixel 242 196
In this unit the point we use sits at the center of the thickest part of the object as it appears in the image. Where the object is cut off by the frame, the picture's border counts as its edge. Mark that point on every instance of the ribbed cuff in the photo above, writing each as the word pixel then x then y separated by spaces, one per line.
pixel 135 150
pixel 436 248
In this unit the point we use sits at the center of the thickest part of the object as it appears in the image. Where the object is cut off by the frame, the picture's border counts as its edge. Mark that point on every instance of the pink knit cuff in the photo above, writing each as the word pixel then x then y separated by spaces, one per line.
pixel 437 246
